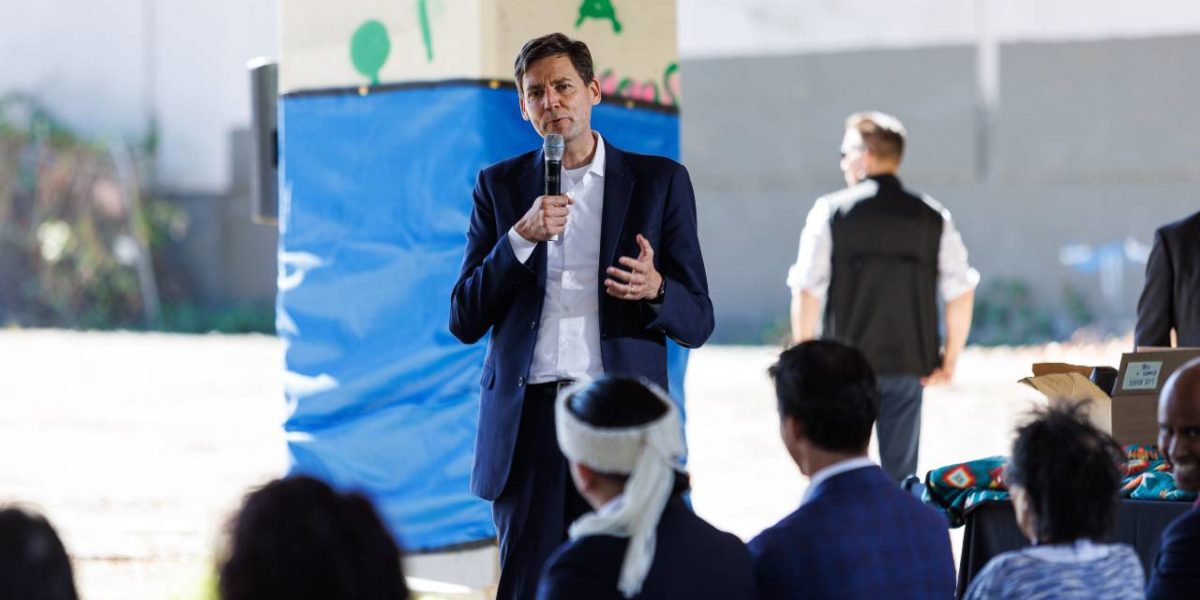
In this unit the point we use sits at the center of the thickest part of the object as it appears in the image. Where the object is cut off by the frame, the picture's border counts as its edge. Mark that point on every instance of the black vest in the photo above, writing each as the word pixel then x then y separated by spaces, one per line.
pixel 883 288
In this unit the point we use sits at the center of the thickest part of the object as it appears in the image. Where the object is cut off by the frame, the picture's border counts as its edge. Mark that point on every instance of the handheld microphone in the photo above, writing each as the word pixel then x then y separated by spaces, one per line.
pixel 553 148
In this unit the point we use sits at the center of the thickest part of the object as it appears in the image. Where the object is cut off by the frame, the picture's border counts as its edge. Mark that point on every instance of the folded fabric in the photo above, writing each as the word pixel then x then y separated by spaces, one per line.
pixel 956 489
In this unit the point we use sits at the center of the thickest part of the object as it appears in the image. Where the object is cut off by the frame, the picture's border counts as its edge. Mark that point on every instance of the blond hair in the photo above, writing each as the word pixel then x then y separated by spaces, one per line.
pixel 882 134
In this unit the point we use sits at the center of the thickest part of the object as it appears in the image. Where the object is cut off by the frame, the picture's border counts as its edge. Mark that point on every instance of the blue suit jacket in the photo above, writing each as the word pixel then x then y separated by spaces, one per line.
pixel 1176 572
pixel 650 195
pixel 692 560
pixel 858 536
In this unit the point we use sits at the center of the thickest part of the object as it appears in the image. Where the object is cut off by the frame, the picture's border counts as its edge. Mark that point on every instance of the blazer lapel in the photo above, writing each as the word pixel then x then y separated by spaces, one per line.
pixel 529 187
pixel 618 189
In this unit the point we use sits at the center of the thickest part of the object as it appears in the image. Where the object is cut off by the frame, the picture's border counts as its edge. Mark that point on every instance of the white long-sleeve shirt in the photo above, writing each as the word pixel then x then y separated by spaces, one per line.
pixel 568 338
pixel 814 259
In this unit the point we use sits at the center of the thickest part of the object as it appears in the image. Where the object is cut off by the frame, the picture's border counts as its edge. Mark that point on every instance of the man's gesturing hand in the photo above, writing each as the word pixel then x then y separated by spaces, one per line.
pixel 545 219
pixel 641 281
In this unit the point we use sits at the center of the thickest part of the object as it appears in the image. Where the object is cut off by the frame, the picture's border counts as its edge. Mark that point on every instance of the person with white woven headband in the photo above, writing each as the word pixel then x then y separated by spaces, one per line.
pixel 623 440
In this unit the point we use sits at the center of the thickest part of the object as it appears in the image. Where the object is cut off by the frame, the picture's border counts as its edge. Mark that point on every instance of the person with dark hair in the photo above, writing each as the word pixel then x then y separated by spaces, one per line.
pixel 624 441
pixel 1176 571
pixel 856 533
pixel 299 539
pixel 878 258
pixel 1064 477
pixel 539 271
pixel 33 562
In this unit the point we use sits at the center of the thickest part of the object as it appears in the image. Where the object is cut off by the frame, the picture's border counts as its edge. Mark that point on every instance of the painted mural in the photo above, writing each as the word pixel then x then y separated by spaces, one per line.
pixel 364 43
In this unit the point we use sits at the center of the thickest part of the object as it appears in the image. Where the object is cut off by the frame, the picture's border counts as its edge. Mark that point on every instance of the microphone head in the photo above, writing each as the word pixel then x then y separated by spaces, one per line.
pixel 554 147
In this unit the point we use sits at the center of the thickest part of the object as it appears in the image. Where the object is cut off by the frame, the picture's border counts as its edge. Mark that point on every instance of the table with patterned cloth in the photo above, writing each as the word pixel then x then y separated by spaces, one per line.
pixel 974 494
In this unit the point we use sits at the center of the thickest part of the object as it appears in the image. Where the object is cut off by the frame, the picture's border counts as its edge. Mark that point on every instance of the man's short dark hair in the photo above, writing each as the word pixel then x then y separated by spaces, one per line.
pixel 829 389
pixel 1070 471
pixel 298 538
pixel 33 562
pixel 554 44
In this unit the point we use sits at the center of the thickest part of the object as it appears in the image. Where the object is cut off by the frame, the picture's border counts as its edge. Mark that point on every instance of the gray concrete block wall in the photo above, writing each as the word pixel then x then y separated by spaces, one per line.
pixel 1092 144
pixel 1114 111
pixel 229 260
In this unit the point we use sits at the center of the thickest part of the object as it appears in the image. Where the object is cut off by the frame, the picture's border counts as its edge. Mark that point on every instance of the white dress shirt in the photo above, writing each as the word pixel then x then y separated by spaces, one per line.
pixel 837 468
pixel 814 259
pixel 568 338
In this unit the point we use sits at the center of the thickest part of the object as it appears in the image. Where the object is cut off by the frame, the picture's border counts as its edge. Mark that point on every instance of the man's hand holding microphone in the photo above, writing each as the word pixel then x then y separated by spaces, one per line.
pixel 545 219
pixel 548 216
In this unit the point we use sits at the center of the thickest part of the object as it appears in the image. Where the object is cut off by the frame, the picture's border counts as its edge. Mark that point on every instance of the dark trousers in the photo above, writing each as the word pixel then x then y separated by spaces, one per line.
pixel 899 425
pixel 539 500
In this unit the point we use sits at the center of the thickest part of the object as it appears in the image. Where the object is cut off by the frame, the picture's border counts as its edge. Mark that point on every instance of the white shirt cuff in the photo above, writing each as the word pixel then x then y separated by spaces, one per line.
pixel 522 247
pixel 953 287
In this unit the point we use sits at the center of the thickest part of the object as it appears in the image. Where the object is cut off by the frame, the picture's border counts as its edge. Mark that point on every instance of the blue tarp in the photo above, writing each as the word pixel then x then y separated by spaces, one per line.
pixel 375 200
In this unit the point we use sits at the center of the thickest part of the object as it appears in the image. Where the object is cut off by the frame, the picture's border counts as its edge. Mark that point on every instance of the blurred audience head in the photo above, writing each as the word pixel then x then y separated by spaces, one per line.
pixel 297 538
pixel 1179 424
pixel 33 561
pixel 828 400
pixel 1064 476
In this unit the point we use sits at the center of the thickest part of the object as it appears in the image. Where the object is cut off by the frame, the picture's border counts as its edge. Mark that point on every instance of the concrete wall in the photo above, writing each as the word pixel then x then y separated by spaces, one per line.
pixel 750 28
pixel 107 71
pixel 228 259
pixel 1091 144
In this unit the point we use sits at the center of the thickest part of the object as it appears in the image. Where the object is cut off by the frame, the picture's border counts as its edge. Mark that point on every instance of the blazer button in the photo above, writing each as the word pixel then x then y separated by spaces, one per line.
pixel 520 382
pixel 533 325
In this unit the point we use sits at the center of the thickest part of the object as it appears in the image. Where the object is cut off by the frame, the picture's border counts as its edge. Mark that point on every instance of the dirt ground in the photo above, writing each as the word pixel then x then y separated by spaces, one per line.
pixel 138 446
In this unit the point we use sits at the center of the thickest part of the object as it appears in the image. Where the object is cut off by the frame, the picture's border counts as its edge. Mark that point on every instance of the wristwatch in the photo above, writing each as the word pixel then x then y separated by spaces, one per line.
pixel 662 291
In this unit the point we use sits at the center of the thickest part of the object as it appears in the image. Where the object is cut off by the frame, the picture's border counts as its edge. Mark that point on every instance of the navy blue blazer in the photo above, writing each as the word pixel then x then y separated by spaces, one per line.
pixel 692 560
pixel 858 536
pixel 1176 572
pixel 650 195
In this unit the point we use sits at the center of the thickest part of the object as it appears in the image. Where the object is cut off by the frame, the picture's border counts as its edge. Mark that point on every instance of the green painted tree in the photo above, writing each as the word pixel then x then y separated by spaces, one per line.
pixel 369 49
pixel 598 9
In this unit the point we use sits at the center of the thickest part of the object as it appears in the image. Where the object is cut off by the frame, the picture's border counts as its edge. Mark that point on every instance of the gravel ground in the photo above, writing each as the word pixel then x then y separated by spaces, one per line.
pixel 138 446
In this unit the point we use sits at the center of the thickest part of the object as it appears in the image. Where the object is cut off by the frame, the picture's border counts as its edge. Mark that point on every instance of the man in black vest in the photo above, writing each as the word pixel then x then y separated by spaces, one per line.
pixel 877 256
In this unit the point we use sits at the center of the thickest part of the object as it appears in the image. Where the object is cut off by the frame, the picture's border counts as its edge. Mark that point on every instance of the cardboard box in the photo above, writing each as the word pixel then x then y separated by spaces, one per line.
pixel 1135 396
pixel 1130 415
pixel 1063 383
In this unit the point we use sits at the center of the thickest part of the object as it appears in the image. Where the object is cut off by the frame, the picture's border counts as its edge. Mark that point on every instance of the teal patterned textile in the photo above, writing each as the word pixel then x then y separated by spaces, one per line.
pixel 956 489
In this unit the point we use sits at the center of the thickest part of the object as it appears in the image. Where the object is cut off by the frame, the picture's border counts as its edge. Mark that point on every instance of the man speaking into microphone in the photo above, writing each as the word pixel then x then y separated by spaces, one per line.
pixel 624 273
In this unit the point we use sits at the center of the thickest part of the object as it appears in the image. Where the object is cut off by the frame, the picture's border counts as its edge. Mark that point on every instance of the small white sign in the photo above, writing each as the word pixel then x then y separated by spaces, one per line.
pixel 1142 375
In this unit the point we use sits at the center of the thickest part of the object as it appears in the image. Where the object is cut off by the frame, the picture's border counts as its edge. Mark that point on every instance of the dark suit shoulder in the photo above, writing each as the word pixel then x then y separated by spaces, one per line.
pixel 1187 227
pixel 692 559
pixel 583 568
pixel 706 538
pixel 1176 570
pixel 1185 527
pixel 644 165
pixel 585 549
pixel 789 531
pixel 509 167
